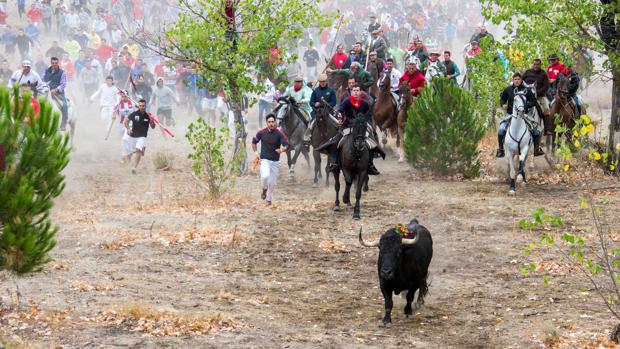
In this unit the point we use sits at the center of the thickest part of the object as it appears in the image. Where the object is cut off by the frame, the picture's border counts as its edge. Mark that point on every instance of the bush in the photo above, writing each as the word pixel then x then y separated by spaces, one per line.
pixel 163 160
pixel 443 131
pixel 213 165
pixel 33 157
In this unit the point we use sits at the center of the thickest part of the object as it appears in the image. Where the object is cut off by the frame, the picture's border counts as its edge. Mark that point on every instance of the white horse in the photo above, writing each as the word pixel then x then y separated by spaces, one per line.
pixel 518 140
pixel 56 106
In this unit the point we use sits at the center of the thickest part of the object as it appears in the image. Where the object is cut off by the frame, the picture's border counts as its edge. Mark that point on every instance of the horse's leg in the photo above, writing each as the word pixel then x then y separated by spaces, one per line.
pixel 512 172
pixel 329 161
pixel 348 181
pixel 361 179
pixel 337 189
pixel 365 188
pixel 317 167
pixel 307 156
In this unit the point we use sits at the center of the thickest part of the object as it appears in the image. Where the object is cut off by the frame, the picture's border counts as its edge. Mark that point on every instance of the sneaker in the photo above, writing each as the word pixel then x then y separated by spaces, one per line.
pixel 500 153
pixel 263 195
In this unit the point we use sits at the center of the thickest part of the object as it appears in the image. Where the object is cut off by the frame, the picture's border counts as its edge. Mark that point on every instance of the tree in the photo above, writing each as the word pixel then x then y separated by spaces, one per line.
pixel 443 131
pixel 30 178
pixel 230 40
pixel 565 28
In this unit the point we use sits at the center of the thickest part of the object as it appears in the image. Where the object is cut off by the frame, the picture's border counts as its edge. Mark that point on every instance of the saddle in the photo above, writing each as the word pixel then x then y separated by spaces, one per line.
pixel 370 141
pixel 395 100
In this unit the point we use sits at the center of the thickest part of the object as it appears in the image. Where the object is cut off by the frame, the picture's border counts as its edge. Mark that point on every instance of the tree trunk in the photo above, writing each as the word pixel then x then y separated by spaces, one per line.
pixel 240 153
pixel 614 124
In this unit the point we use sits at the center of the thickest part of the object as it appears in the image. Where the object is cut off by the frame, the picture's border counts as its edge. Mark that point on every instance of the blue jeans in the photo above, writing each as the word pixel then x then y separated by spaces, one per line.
pixel 264 108
pixel 503 126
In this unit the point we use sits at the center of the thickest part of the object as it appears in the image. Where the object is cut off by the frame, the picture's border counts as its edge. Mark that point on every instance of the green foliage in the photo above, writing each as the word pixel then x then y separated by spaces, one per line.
pixel 36 154
pixel 443 131
pixel 212 164
pixel 541 220
pixel 488 78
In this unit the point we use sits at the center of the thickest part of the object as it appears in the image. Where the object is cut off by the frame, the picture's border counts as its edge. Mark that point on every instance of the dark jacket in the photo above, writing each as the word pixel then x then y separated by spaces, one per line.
pixel 326 93
pixel 508 96
pixel 573 84
pixel 362 77
pixel 540 77
pixel 349 112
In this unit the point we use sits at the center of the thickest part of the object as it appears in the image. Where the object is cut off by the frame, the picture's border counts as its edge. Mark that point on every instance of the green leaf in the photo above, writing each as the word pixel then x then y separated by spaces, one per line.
pixel 568 238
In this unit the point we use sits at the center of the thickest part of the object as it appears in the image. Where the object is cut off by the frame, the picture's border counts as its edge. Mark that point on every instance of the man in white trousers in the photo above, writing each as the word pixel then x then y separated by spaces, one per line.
pixel 273 143
pixel 108 99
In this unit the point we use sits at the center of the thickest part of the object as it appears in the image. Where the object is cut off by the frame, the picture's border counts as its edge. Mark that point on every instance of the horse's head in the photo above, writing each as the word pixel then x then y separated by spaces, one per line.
pixel 518 105
pixel 562 84
pixel 405 94
pixel 359 131
pixel 284 104
pixel 322 112
pixel 531 87
pixel 384 81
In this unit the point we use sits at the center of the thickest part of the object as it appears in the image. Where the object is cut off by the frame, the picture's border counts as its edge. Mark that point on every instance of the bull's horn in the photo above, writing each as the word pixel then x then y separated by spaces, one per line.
pixel 367 244
pixel 411 241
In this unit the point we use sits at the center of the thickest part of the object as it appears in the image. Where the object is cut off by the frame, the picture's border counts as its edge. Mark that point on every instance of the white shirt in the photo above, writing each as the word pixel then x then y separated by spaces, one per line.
pixel 108 95
pixel 270 90
pixel 32 77
pixel 394 79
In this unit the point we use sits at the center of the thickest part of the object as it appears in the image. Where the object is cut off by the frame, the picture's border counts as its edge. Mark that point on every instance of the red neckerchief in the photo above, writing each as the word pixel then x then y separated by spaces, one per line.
pixel 356 103
pixel 297 89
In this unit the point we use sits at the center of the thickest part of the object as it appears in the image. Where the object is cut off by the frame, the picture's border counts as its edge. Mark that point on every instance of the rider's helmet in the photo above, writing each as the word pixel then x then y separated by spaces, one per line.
pixel 26 63
pixel 552 57
pixel 415 60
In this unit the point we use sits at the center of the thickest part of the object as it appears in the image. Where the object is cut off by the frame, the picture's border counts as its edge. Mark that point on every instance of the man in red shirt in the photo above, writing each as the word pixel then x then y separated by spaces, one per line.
pixel 339 58
pixel 104 51
pixel 555 68
pixel 413 77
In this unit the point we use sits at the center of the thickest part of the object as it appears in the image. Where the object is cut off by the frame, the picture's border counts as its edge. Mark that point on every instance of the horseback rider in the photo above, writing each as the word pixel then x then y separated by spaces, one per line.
pixel 540 77
pixel 378 44
pixel 57 82
pixel 362 77
pixel 554 69
pixel 301 93
pixel 413 77
pixel 321 95
pixel 28 76
pixel 348 92
pixel 573 86
pixel 435 67
pixel 347 111
pixel 507 100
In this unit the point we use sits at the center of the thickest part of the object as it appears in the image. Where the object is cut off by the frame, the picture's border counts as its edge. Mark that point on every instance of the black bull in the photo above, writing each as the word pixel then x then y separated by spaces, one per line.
pixel 403 265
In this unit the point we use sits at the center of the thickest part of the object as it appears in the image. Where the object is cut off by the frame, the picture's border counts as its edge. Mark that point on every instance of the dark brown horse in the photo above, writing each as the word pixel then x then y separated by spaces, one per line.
pixel 384 111
pixel 406 102
pixel 564 106
pixel 326 127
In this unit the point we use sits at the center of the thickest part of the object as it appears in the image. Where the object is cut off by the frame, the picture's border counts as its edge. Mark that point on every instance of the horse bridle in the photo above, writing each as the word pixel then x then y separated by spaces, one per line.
pixel 522 116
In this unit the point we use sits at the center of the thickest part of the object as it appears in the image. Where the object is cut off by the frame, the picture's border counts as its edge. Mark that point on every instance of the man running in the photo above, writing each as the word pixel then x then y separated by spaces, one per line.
pixel 108 98
pixel 164 96
pixel 123 109
pixel 135 138
pixel 273 143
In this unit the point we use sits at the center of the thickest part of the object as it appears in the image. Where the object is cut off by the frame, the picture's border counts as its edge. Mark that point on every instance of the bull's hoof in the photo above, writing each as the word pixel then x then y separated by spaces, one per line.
pixel 356 216
pixel 385 324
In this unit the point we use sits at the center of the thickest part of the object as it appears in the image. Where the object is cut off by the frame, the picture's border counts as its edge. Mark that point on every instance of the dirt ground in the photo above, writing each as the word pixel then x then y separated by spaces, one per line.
pixel 143 261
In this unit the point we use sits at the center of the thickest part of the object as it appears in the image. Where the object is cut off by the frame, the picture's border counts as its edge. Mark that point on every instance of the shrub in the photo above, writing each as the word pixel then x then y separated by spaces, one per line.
pixel 33 157
pixel 214 162
pixel 443 131
pixel 163 160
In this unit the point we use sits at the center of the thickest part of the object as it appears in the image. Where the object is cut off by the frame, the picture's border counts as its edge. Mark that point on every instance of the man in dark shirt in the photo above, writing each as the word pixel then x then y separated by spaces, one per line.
pixel 134 141
pixel 539 76
pixel 311 57
pixel 273 143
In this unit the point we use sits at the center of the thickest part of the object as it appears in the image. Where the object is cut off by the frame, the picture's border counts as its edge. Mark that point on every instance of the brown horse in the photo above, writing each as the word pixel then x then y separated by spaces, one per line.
pixel 376 74
pixel 384 111
pixel 564 106
pixel 337 82
pixel 406 102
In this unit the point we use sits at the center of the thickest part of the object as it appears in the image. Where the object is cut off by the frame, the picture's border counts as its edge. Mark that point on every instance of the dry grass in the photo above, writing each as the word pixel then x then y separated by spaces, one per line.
pixel 333 246
pixel 163 160
pixel 124 242
pixel 201 236
pixel 147 319
pixel 85 287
